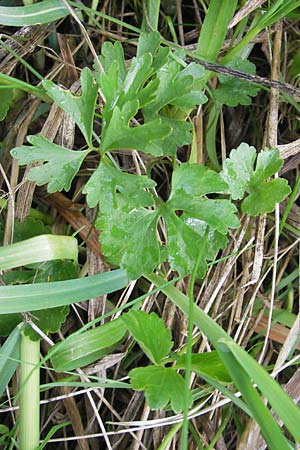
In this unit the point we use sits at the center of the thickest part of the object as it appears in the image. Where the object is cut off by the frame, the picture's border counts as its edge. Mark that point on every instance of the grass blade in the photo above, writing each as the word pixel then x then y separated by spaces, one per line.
pixel 38 13
pixel 279 400
pixel 45 247
pixel 14 83
pixel 9 358
pixel 268 426
pixel 215 28
pixel 32 297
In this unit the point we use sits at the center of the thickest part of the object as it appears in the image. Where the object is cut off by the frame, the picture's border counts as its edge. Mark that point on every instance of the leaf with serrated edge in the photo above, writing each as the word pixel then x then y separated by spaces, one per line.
pixel 209 363
pixel 119 135
pixel 267 164
pixel 238 170
pixel 215 240
pixel 151 334
pixel 161 385
pixel 108 184
pixel 234 91
pixel 265 196
pixel 129 231
pixel 183 246
pixel 61 165
pixel 80 108
pixel 196 180
pixel 137 248
pixel 241 177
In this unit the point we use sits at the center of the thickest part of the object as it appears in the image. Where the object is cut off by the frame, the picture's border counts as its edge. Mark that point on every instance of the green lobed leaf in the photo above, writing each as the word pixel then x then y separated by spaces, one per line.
pixel 155 84
pixel 80 108
pixel 239 173
pixel 118 134
pixel 129 230
pixel 61 164
pixel 79 350
pixel 196 180
pixel 220 214
pixel 265 196
pixel 238 170
pixel 215 240
pixel 150 332
pixel 110 186
pixel 112 54
pixel 129 240
pixel 267 164
pixel 148 43
pixel 162 385
pixel 234 91
pixel 208 363
pixel 183 246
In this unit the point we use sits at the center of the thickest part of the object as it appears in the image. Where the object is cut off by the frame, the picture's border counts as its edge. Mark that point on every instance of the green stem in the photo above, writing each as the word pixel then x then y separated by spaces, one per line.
pixel 185 426
pixel 29 394
pixel 150 21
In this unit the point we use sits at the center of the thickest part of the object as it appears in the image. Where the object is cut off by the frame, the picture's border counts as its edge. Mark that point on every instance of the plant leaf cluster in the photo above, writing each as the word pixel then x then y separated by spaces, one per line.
pixel 146 107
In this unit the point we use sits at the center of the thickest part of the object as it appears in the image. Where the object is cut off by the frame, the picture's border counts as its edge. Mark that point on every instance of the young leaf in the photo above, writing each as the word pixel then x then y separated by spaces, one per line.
pixel 79 350
pixel 148 43
pixel 119 135
pixel 161 385
pixel 130 241
pixel 208 363
pixel 110 186
pixel 233 91
pixel 151 334
pixel 182 249
pixel 80 108
pixel 238 170
pixel 196 180
pixel 242 178
pixel 113 54
pixel 61 165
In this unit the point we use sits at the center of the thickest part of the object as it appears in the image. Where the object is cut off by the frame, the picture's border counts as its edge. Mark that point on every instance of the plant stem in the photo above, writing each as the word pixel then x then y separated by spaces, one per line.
pixel 185 426
pixel 29 394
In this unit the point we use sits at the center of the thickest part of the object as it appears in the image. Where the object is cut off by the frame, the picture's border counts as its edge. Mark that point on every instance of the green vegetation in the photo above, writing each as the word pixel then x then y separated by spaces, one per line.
pixel 148 206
